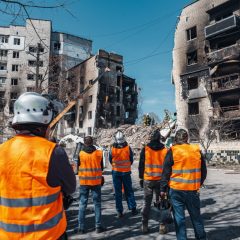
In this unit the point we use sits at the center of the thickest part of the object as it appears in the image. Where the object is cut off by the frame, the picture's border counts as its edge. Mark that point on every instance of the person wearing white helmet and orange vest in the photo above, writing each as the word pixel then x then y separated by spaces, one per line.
pixel 184 171
pixel 34 175
pixel 121 158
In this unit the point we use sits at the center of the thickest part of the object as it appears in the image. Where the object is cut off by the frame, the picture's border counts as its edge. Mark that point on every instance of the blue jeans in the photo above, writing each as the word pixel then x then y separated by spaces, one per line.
pixel 126 181
pixel 190 200
pixel 96 195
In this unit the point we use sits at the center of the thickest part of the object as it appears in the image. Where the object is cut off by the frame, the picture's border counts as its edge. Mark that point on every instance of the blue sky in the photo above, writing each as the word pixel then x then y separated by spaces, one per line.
pixel 140 30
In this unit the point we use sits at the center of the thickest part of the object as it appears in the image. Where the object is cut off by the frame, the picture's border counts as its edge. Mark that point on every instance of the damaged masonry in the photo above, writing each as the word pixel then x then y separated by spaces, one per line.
pixel 111 99
pixel 207 83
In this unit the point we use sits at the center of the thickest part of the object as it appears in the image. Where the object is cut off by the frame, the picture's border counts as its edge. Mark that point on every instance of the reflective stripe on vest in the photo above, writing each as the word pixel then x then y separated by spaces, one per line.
pixel 186 171
pixel 18 228
pixel 31 208
pixel 90 171
pixel 28 202
pixel 121 159
pixel 154 163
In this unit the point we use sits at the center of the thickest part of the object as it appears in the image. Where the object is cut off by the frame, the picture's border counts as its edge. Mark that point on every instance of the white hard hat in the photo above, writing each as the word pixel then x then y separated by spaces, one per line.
pixel 32 108
pixel 119 137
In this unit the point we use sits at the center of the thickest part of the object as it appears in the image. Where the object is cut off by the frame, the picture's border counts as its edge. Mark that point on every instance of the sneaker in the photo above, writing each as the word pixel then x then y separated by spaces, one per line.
pixel 119 214
pixel 144 228
pixel 134 211
pixel 163 229
pixel 100 229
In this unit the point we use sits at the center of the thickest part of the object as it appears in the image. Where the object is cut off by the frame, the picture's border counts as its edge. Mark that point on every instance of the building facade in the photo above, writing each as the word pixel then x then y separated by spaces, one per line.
pixel 109 98
pixel 206 70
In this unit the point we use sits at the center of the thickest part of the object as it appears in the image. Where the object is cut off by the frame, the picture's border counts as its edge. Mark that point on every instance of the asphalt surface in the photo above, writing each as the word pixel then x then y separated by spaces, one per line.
pixel 219 201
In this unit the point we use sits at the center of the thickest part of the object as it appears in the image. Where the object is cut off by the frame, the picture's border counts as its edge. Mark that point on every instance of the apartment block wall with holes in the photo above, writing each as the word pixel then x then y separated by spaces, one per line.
pixel 206 69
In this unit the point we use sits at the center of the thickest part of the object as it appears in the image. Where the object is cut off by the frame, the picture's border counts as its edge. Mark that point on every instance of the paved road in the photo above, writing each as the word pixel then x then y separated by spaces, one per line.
pixel 220 209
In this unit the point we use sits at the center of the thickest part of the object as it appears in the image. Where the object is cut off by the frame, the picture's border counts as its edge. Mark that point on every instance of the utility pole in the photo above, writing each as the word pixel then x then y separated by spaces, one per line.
pixel 39 46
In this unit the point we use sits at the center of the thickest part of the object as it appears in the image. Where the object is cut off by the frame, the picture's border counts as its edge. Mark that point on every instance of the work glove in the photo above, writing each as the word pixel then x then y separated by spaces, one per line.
pixel 141 183
pixel 163 195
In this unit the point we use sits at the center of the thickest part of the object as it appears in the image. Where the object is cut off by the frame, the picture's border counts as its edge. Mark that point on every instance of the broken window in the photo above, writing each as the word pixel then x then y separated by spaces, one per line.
pixel 16 41
pixel 89 114
pixel 90 98
pixel 119 81
pixel 15 54
pixel 193 108
pixel 3 66
pixel 2 80
pixel 89 131
pixel 32 49
pixel 192 83
pixel 191 33
pixel 223 16
pixel 118 111
pixel 118 95
pixel 57 46
pixel 118 68
pixel 4 39
pixel 3 53
pixel 14 68
pixel 14 81
pixel 30 77
pixel 192 58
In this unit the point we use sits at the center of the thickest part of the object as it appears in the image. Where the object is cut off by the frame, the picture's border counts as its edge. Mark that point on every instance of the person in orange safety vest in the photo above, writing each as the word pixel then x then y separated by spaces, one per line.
pixel 90 179
pixel 184 171
pixel 121 158
pixel 150 172
pixel 34 175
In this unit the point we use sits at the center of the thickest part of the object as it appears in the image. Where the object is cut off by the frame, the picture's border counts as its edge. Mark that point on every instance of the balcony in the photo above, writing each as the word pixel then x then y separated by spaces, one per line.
pixel 229 112
pixel 224 25
pixel 225 83
pixel 221 55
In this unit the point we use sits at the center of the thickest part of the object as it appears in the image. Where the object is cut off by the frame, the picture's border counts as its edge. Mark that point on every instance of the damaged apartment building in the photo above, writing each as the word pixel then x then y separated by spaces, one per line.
pixel 29 55
pixel 109 97
pixel 206 70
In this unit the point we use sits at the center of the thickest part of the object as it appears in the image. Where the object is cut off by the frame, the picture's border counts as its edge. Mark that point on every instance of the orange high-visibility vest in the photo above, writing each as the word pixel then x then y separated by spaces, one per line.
pixel 90 170
pixel 154 163
pixel 29 208
pixel 121 159
pixel 186 171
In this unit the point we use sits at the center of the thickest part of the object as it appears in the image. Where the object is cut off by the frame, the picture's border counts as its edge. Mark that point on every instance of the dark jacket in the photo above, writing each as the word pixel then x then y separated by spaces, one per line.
pixel 167 170
pixel 60 171
pixel 121 145
pixel 154 145
pixel 89 149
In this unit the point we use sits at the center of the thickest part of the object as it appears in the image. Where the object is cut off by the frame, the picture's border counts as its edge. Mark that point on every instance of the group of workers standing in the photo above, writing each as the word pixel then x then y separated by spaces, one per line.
pixel 35 174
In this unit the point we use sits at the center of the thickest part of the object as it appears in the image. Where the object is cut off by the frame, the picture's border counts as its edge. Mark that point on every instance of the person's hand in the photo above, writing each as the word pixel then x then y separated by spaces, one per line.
pixel 141 183
pixel 163 195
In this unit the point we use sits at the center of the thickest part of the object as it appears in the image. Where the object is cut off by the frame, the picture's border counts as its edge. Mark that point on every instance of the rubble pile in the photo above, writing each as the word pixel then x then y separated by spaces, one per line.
pixel 136 136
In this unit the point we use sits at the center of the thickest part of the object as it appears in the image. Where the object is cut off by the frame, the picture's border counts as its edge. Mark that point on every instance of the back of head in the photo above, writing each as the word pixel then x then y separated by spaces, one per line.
pixel 32 112
pixel 181 136
pixel 88 141
pixel 155 135
pixel 119 137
